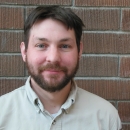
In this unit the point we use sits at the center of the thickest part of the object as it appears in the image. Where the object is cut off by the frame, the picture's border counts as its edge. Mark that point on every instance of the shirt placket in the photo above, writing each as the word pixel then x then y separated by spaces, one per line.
pixel 56 124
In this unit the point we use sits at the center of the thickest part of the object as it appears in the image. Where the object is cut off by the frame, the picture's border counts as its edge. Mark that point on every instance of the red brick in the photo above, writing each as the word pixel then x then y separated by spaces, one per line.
pixel 8 85
pixel 109 89
pixel 98 66
pixel 37 2
pixel 102 3
pixel 10 41
pixel 125 127
pixel 11 65
pixel 124 111
pixel 11 17
pixel 113 43
pixel 126 19
pixel 125 66
pixel 99 19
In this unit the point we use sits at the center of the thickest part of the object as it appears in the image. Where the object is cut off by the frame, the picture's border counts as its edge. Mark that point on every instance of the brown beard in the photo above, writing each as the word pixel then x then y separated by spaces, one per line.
pixel 52 86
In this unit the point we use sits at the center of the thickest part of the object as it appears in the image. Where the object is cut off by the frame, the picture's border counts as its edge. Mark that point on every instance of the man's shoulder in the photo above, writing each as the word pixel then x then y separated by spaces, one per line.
pixel 94 106
pixel 13 95
pixel 94 101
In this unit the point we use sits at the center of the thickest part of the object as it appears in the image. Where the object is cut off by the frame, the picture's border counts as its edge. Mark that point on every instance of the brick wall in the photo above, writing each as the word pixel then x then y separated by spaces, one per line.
pixel 105 64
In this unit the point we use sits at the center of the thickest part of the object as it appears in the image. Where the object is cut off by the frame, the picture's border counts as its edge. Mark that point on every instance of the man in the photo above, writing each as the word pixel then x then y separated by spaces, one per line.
pixel 50 99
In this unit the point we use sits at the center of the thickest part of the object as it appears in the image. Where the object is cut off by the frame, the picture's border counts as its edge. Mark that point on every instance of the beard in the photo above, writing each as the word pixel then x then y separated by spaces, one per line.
pixel 53 84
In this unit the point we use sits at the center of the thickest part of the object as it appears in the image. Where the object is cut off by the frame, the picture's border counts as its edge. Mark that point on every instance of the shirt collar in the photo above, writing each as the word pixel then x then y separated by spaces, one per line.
pixel 71 98
pixel 31 94
pixel 35 100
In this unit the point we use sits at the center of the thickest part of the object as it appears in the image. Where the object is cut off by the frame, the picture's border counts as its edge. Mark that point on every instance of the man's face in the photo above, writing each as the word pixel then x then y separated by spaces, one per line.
pixel 52 56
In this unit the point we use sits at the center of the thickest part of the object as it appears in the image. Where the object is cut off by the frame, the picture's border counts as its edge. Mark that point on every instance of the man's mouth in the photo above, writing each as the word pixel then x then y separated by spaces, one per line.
pixel 52 68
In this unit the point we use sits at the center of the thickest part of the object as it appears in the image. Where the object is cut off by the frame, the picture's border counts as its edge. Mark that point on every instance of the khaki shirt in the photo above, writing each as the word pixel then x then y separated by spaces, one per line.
pixel 21 109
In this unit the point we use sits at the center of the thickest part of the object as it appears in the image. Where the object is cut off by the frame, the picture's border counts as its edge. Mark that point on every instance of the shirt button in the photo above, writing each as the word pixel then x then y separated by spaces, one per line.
pixel 54 122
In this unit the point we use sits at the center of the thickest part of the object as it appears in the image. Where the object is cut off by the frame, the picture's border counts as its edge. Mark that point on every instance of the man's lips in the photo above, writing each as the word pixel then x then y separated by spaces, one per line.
pixel 52 70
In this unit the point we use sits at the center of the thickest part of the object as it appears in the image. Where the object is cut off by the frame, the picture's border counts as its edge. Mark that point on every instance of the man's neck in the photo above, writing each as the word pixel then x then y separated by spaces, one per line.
pixel 52 101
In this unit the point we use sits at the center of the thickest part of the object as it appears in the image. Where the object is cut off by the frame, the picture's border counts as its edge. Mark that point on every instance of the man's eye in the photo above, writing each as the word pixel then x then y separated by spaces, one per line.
pixel 65 46
pixel 41 46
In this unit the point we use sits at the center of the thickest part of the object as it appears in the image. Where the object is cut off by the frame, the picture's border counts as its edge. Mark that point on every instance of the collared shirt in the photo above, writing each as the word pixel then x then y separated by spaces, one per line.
pixel 22 110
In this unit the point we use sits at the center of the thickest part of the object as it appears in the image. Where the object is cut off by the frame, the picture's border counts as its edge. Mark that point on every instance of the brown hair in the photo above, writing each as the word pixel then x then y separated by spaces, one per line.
pixel 64 15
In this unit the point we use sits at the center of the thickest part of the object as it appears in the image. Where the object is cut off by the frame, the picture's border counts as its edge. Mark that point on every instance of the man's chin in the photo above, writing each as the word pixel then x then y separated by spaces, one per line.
pixel 53 81
pixel 52 84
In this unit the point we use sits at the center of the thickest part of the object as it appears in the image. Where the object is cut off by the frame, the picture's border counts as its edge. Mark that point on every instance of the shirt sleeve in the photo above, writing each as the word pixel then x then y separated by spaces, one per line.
pixel 116 123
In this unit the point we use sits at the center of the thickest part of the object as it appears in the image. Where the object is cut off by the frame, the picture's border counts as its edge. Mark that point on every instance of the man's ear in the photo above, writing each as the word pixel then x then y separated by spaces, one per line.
pixel 81 50
pixel 23 51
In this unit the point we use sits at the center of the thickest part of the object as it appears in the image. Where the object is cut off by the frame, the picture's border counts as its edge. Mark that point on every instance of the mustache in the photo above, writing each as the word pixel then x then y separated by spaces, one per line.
pixel 52 66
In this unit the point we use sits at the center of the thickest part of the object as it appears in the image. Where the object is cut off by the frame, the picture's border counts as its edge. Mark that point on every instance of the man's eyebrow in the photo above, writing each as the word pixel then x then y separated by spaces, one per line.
pixel 66 39
pixel 61 40
pixel 41 39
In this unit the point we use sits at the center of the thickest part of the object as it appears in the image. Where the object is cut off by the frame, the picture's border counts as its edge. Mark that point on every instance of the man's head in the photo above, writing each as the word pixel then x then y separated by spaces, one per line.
pixel 51 49
pixel 66 16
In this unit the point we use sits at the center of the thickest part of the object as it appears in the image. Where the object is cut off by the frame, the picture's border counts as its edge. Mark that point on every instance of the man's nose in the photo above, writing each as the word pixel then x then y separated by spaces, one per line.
pixel 53 55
